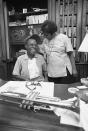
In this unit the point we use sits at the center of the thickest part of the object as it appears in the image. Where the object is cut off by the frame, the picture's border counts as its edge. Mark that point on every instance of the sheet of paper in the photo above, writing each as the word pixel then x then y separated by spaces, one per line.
pixel 15 86
pixel 84 115
pixel 68 117
pixel 46 88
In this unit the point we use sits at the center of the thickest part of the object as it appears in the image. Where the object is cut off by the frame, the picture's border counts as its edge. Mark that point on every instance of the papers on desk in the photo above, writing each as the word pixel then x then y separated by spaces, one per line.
pixel 15 86
pixel 84 115
pixel 39 93
pixel 68 116
pixel 46 88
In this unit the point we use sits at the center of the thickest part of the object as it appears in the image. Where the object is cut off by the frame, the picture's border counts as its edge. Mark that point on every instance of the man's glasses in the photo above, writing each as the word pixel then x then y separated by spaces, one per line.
pixel 44 34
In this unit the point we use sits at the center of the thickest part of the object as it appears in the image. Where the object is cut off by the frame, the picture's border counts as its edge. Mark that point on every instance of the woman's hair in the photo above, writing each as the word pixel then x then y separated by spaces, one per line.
pixel 35 37
pixel 49 27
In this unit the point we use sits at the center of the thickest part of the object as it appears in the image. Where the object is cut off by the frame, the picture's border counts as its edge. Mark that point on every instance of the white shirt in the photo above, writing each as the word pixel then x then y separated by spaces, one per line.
pixel 57 58
pixel 22 68
pixel 33 68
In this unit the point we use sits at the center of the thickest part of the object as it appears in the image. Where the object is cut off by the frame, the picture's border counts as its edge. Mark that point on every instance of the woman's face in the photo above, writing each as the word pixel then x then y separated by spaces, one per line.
pixel 48 36
pixel 31 47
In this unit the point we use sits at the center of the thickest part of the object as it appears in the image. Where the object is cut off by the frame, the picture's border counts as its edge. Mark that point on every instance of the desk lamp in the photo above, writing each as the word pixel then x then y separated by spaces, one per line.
pixel 84 48
pixel 83 106
pixel 84 45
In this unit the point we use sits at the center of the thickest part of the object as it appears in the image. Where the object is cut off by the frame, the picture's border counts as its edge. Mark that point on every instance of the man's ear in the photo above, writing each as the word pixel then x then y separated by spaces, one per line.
pixel 25 46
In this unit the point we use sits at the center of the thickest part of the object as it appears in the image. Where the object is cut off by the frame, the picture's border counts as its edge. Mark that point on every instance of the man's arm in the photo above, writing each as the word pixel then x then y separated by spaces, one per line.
pixel 16 74
pixel 18 77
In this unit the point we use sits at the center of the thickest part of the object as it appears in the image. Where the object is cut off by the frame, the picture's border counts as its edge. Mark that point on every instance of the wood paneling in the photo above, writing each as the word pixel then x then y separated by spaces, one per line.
pixel 52 10
pixel 3 70
pixel 3 46
pixel 79 28
pixel 2 32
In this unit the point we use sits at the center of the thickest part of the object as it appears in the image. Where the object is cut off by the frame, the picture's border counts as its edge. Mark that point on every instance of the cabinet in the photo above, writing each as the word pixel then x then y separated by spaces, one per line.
pixel 68 17
pixel 71 17
pixel 84 56
pixel 21 26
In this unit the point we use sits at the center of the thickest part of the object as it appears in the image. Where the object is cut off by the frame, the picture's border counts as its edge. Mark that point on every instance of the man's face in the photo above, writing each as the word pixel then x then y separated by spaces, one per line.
pixel 31 47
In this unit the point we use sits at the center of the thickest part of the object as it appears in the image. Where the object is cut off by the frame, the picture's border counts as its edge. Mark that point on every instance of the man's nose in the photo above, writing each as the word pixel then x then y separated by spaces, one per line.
pixel 33 45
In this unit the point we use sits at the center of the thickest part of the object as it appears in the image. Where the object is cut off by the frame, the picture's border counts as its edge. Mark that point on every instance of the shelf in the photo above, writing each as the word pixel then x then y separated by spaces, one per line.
pixel 16 43
pixel 24 24
pixel 61 15
pixel 28 13
pixel 70 2
pixel 22 16
pixel 69 26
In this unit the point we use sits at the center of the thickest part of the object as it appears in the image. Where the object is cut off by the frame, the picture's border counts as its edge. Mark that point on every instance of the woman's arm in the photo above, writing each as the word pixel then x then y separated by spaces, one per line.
pixel 44 69
pixel 72 60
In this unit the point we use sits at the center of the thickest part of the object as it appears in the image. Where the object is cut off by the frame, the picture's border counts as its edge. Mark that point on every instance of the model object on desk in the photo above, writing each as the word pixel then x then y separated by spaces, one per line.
pixel 36 92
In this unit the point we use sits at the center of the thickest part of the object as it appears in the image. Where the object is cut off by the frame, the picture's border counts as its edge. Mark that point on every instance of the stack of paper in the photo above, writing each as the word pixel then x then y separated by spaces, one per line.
pixel 84 115
pixel 46 88
pixel 68 116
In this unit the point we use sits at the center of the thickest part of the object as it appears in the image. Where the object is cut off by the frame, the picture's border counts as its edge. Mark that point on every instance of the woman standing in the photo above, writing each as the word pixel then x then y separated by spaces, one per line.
pixel 60 60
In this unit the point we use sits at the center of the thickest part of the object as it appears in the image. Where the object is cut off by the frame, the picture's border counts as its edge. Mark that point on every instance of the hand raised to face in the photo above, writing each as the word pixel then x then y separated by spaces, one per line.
pixel 31 47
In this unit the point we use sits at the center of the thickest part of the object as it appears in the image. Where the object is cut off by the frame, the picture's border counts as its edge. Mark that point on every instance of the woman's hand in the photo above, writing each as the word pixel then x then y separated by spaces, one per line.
pixel 74 73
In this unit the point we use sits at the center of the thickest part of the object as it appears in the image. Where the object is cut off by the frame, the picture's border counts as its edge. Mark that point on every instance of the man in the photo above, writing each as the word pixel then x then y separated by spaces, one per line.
pixel 30 66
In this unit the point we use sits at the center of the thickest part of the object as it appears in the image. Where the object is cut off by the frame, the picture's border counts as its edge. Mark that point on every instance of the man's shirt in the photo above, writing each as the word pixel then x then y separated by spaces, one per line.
pixel 29 68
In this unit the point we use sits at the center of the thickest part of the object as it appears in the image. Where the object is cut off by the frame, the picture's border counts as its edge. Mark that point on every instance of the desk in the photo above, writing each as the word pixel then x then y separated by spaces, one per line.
pixel 13 118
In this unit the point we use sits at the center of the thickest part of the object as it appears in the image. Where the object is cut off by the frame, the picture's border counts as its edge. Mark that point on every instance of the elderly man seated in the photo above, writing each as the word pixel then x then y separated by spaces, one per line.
pixel 30 66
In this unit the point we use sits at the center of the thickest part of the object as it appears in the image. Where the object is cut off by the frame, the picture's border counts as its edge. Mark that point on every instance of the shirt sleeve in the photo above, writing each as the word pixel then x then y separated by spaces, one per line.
pixel 68 44
pixel 17 68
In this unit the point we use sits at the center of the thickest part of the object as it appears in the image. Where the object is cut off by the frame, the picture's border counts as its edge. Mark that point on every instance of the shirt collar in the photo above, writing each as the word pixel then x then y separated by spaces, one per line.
pixel 26 56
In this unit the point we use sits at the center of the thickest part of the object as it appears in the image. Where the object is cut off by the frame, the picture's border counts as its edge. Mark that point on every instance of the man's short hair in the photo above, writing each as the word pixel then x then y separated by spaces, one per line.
pixel 35 37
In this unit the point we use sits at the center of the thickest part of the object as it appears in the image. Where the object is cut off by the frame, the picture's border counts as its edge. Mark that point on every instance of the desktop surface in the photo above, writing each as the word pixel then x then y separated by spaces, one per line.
pixel 14 118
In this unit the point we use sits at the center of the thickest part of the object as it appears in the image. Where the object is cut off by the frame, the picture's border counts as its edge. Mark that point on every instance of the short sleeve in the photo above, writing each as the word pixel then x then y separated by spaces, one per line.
pixel 17 67
pixel 68 44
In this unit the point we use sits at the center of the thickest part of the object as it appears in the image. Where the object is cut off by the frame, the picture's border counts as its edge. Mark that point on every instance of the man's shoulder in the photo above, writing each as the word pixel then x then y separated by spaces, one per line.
pixel 40 58
pixel 39 55
pixel 22 57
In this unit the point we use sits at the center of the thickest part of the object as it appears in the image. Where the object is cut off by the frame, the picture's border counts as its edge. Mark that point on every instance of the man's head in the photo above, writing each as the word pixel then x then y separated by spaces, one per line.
pixel 31 47
pixel 48 28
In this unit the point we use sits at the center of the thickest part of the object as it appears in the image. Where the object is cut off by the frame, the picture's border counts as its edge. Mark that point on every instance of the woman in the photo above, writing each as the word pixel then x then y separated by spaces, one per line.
pixel 60 61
